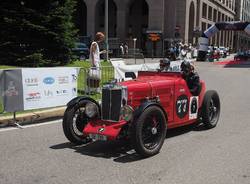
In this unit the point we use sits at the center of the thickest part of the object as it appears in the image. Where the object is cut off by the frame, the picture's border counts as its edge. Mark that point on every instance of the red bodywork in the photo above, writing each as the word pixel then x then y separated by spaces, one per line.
pixel 168 86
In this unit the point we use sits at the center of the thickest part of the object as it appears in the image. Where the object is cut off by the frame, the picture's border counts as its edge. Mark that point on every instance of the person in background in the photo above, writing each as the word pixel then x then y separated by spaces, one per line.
pixel 164 65
pixel 122 50
pixel 94 75
pixel 125 46
pixel 95 50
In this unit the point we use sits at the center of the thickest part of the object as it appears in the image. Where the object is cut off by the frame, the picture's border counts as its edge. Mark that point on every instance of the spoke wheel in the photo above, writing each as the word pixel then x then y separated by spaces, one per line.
pixel 74 121
pixel 149 131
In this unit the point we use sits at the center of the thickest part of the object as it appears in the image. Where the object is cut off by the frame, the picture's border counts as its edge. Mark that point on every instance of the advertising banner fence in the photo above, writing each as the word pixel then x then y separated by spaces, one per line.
pixel 1 90
pixel 34 88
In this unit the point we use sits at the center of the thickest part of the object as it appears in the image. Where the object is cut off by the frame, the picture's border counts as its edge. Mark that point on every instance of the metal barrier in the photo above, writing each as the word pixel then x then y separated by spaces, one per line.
pixel 1 105
pixel 1 91
pixel 90 80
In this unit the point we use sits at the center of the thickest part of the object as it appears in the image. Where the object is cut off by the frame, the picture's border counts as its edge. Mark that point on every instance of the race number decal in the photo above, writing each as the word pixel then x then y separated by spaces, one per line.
pixel 193 107
pixel 182 106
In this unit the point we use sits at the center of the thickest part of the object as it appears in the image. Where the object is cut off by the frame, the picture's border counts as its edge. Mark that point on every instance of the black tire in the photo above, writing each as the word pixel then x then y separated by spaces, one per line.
pixel 149 132
pixel 74 121
pixel 210 111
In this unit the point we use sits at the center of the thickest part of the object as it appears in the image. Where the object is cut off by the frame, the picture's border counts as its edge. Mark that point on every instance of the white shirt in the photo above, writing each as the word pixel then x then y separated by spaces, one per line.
pixel 96 55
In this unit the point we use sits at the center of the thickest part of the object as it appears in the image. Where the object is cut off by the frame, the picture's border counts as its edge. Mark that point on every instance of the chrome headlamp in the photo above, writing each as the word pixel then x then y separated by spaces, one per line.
pixel 127 113
pixel 91 109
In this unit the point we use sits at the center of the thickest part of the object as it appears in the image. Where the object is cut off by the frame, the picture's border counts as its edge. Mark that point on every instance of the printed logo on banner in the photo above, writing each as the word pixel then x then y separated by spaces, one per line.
pixel 63 80
pixel 74 78
pixel 11 90
pixel 35 96
pixel 48 80
pixel 48 93
pixel 31 81
pixel 61 92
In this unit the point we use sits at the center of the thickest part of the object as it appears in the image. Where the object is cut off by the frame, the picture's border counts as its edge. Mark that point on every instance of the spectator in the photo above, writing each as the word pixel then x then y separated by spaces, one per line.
pixel 95 50
pixel 122 50
pixel 94 76
pixel 125 46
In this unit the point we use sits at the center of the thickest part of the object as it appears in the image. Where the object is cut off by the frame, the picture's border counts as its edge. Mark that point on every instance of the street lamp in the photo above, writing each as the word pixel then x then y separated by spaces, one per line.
pixel 135 39
pixel 107 27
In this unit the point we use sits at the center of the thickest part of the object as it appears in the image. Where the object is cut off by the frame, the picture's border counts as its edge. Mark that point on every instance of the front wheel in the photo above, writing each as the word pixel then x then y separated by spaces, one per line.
pixel 210 109
pixel 149 131
pixel 74 121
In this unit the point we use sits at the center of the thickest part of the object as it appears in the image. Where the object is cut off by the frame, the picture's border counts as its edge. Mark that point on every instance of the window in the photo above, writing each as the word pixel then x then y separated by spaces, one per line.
pixel 203 26
pixel 219 16
pixel 215 15
pixel 204 10
pixel 210 10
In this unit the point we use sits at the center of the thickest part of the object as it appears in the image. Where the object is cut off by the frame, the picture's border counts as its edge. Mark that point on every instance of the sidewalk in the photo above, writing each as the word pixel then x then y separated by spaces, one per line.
pixel 33 117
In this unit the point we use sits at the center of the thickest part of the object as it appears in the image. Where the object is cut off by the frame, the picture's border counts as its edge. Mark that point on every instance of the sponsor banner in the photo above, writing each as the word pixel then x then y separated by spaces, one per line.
pixel 203 44
pixel 13 90
pixel 211 31
pixel 1 83
pixel 48 87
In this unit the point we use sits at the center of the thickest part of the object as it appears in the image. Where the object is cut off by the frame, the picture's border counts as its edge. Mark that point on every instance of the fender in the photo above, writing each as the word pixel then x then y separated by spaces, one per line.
pixel 78 99
pixel 144 106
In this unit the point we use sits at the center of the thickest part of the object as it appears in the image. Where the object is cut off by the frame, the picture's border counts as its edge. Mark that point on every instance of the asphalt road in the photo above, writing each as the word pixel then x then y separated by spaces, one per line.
pixel 42 155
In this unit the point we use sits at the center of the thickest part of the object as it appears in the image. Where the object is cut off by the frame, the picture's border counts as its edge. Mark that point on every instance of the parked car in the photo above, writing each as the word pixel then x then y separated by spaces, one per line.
pixel 81 50
pixel 140 110
pixel 223 52
pixel 242 55
pixel 213 53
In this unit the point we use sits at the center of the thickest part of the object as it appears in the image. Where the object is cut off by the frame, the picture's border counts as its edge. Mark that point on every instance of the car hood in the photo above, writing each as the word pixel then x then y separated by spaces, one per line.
pixel 148 87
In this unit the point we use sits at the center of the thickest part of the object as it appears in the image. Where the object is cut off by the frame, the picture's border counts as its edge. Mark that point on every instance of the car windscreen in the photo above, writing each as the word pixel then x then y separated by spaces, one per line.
pixel 174 67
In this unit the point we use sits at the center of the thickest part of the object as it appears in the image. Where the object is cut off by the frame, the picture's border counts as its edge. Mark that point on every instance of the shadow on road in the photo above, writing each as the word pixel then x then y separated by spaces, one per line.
pixel 120 151
pixel 238 66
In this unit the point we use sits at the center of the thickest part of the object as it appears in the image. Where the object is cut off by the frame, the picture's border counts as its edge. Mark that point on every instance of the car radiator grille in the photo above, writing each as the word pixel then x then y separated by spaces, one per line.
pixel 111 103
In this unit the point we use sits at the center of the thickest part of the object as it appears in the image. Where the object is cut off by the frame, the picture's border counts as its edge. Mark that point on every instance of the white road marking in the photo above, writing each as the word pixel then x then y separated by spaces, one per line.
pixel 29 126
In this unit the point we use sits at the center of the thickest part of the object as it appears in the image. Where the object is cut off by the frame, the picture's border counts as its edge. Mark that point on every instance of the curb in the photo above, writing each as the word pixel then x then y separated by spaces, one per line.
pixel 34 117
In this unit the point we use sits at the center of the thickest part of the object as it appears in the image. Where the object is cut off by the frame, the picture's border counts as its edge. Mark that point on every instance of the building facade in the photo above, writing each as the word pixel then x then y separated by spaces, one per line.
pixel 174 19
pixel 217 11
pixel 243 14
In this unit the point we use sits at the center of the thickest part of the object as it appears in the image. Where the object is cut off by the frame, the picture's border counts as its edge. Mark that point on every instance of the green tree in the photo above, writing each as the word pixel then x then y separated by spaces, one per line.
pixel 36 33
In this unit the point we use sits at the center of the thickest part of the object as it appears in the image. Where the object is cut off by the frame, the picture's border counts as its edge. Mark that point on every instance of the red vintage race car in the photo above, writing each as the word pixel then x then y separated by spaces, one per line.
pixel 140 110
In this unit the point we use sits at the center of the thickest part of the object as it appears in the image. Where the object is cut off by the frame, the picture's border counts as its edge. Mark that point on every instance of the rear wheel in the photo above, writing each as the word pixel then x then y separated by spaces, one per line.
pixel 74 121
pixel 210 109
pixel 149 132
